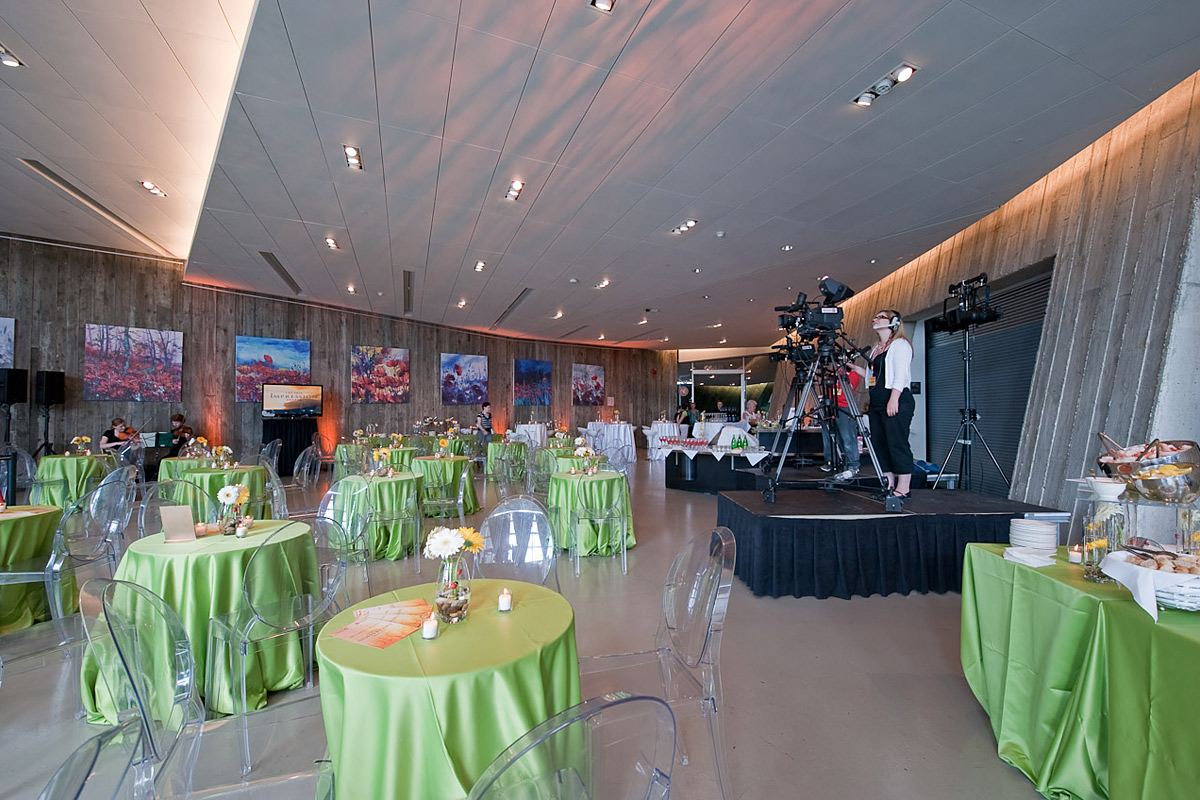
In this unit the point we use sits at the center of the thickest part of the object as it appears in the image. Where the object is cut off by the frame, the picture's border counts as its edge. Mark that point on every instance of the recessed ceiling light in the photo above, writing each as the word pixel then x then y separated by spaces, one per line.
pixel 720 234
pixel 705 297
pixel 722 341
pixel 787 248
pixel 350 288
pixel 643 321
pixel 904 72
pixel 8 59
pixel 865 99
pixel 884 85
pixel 153 189
pixel 379 294
pixel 572 280
pixel 331 243
pixel 603 5
pixel 751 300
pixel 713 326
pixel 872 261
pixel 479 265
pixel 684 226
pixel 353 156
pixel 557 316
pixel 603 284
pixel 514 190
pixel 665 339
pixel 462 303
pixel 601 336
pixel 697 270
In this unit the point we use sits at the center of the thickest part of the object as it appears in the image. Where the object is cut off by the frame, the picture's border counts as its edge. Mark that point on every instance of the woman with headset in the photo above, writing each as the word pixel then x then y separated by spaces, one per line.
pixel 891 407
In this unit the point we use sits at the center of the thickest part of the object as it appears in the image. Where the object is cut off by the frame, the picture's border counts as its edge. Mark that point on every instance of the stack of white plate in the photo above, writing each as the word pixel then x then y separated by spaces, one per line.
pixel 1035 534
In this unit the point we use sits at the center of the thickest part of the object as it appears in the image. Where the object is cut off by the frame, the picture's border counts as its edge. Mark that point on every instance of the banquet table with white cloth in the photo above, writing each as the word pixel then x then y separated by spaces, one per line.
pixel 533 432
pixel 659 429
pixel 613 435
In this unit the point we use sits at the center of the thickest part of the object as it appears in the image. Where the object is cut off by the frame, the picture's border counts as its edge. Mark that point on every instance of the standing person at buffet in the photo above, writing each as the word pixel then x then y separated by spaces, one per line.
pixel 751 415
pixel 115 436
pixel 892 405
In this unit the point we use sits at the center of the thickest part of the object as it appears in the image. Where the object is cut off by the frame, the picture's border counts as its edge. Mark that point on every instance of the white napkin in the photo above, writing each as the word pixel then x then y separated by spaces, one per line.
pixel 1141 582
pixel 1027 556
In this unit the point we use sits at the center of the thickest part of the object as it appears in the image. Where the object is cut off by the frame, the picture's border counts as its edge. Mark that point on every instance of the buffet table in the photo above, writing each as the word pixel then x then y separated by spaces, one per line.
pixel 704 468
pixel 1087 695
pixel 659 430
pixel 423 718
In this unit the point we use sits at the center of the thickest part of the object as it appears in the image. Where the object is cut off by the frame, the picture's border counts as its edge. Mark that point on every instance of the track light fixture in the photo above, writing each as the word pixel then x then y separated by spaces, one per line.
pixel 152 188
pixel 353 156
pixel 479 265
pixel 331 243
pixel 514 190
pixel 8 59
pixel 684 227
pixel 884 85
pixel 603 5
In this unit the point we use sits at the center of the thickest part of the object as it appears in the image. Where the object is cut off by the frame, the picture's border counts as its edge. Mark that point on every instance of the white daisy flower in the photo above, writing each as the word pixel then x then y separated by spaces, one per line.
pixel 443 543
pixel 228 495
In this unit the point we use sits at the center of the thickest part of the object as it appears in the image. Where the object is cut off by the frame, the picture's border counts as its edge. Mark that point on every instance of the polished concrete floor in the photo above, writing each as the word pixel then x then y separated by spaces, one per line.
pixel 822 698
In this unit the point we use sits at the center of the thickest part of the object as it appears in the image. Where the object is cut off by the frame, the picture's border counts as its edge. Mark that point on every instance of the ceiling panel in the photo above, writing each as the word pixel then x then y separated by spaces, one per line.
pixel 333 53
pixel 489 73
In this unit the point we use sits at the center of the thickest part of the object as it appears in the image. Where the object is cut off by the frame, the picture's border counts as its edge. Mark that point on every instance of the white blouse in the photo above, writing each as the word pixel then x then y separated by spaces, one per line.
pixel 899 365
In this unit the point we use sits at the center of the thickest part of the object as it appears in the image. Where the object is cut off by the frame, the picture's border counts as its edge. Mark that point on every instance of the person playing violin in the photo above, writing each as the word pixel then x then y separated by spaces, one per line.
pixel 181 434
pixel 116 436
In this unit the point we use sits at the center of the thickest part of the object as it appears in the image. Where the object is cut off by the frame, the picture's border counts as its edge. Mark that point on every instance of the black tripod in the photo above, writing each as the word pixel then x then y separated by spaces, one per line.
pixel 967 428
pixel 45 446
pixel 824 372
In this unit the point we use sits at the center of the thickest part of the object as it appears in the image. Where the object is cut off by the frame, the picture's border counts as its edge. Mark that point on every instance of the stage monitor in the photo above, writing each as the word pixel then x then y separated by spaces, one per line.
pixel 284 400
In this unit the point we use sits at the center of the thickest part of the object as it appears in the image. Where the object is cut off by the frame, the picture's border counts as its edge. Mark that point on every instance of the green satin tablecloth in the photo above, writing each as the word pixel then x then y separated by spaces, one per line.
pixel 401 457
pixel 496 449
pixel 568 463
pixel 1087 695
pixel 386 498
pixel 203 579
pixel 422 719
pixel 439 470
pixel 26 532
pixel 77 471
pixel 347 452
pixel 172 469
pixel 213 480
pixel 600 489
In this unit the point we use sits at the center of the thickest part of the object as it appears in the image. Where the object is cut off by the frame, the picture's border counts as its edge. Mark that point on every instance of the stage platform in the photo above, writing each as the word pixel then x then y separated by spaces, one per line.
pixel 816 543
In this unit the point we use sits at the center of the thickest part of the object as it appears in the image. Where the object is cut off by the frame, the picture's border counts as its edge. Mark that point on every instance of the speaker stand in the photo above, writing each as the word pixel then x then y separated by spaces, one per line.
pixel 45 446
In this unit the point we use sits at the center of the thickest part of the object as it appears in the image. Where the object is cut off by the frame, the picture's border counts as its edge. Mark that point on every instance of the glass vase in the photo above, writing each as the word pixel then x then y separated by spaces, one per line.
pixel 231 516
pixel 454 591
pixel 1103 532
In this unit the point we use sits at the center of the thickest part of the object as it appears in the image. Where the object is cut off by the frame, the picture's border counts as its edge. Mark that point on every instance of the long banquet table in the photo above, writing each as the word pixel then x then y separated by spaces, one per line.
pixel 1087 695
pixel 422 719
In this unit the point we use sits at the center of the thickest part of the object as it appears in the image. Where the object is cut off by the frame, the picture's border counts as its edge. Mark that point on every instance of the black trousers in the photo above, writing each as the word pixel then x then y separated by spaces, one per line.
pixel 889 435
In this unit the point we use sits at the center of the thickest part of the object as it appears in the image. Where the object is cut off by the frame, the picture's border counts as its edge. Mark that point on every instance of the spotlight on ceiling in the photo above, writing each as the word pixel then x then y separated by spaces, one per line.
pixel 643 321
pixel 353 156
pixel 684 226
pixel 462 303
pixel 557 315
pixel 603 284
pixel 883 85
pixel 787 248
pixel 514 190
pixel 331 243
pixel 9 60
pixel 479 265
pixel 350 288
pixel 152 188
pixel 603 5
pixel 601 336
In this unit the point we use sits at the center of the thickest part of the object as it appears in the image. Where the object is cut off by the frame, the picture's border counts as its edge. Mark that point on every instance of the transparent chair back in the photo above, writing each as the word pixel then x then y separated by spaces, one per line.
pixel 132 454
pixel 348 504
pixel 105 766
pixel 286 602
pixel 335 544
pixel 26 470
pixel 307 468
pixel 696 597
pixel 175 493
pixel 542 464
pixel 518 543
pixel 441 497
pixel 612 747
pixel 270 451
pixel 607 517
pixel 352 459
pixel 621 459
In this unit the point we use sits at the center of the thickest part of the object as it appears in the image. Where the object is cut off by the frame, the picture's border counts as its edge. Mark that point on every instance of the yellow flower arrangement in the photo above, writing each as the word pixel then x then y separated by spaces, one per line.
pixel 443 442
pixel 200 440
pixel 472 540
pixel 358 432
pixel 81 440
pixel 381 454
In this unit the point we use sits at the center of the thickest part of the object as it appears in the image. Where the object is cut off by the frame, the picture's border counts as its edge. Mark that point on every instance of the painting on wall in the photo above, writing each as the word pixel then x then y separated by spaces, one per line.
pixel 378 374
pixel 531 382
pixel 137 364
pixel 464 379
pixel 260 361
pixel 8 341
pixel 587 385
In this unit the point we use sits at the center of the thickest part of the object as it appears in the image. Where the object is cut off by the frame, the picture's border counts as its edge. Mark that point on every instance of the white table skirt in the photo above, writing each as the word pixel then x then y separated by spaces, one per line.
pixel 616 434
pixel 535 432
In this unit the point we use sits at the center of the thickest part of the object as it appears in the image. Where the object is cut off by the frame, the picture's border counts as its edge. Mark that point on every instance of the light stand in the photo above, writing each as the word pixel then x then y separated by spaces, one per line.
pixel 968 314
pixel 45 446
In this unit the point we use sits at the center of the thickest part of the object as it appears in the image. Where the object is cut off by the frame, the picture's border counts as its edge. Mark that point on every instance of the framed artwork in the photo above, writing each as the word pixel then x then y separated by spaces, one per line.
pixel 258 361
pixel 378 374
pixel 531 382
pixel 587 385
pixel 137 364
pixel 464 379
pixel 8 341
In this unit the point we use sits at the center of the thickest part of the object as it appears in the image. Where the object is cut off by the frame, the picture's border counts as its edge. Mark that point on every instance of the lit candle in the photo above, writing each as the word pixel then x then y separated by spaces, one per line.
pixel 1075 556
pixel 212 527
pixel 240 531
pixel 429 628
pixel 505 602
pixel 201 529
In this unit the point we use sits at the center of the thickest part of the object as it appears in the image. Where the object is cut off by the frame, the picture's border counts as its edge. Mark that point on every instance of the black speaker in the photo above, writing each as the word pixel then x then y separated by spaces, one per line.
pixel 50 388
pixel 14 386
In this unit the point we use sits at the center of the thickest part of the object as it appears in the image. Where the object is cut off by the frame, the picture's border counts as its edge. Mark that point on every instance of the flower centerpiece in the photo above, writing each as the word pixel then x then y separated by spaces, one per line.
pixel 443 447
pixel 232 498
pixel 589 459
pixel 81 443
pixel 382 459
pixel 397 439
pixel 358 435
pixel 222 456
pixel 450 546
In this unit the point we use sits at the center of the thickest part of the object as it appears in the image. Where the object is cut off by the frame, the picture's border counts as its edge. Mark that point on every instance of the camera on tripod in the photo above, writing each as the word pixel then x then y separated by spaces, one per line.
pixel 806 319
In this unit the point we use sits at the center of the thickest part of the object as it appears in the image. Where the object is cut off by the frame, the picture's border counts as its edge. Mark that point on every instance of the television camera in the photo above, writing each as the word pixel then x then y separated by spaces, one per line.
pixel 821 320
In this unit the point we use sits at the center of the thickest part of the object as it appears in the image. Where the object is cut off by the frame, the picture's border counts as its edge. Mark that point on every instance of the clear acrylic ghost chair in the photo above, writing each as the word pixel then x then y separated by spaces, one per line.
pixel 348 505
pixel 270 451
pixel 446 498
pixel 514 470
pixel 621 459
pixel 174 493
pixel 393 527
pixel 424 443
pixel 48 492
pixel 105 766
pixel 145 665
pixel 542 464
pixel 350 459
pixel 613 747
pixel 684 667
pixel 273 497
pixel 274 604
pixel 26 471
pixel 306 474
pixel 333 543
pixel 607 518
pixel 518 543
pixel 132 454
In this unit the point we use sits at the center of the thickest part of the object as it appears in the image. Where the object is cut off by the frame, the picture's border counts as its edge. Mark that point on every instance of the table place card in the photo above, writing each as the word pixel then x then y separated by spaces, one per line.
pixel 177 524
pixel 377 633
pixel 405 612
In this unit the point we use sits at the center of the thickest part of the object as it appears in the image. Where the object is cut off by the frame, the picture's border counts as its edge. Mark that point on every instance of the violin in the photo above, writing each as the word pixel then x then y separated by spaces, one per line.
pixel 183 432
pixel 127 434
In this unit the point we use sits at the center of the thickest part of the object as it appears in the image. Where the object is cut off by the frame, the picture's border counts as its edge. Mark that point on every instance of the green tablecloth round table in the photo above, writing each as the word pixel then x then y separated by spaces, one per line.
pixel 172 469
pixel 497 449
pixel 386 497
pixel 401 457
pixel 568 463
pixel 203 579
pixel 439 470
pixel 214 479
pixel 80 473
pixel 601 489
pixel 26 534
pixel 422 719
pixel 1087 695
pixel 344 453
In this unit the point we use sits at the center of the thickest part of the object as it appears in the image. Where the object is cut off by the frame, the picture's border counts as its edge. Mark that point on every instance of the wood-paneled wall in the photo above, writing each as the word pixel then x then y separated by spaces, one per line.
pixel 1115 216
pixel 53 291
